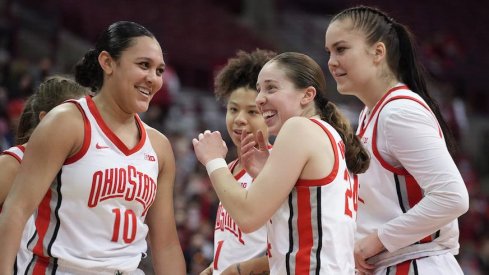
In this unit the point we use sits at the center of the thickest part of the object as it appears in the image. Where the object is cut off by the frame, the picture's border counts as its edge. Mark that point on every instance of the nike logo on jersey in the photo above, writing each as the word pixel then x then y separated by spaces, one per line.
pixel 98 146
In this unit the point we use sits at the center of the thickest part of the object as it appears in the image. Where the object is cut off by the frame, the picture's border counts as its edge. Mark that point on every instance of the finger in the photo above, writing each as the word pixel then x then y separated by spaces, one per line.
pixel 245 147
pixel 195 141
pixel 201 136
pixel 260 137
pixel 207 132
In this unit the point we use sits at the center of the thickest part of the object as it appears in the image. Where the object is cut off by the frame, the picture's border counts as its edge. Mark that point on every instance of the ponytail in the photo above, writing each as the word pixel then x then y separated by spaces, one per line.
pixel 88 71
pixel 413 74
pixel 357 157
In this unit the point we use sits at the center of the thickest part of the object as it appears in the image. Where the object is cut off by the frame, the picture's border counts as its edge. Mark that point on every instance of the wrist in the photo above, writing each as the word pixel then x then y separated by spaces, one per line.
pixel 215 164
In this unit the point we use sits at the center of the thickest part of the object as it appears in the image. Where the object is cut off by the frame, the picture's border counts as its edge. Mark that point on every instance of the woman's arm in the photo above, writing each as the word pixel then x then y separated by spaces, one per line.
pixel 413 138
pixel 50 144
pixel 251 208
pixel 167 255
pixel 258 266
pixel 9 166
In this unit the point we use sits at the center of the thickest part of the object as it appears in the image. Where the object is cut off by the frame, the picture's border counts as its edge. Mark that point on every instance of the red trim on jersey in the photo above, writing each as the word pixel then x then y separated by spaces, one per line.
pixel 113 137
pixel 87 134
pixel 363 125
pixel 42 223
pixel 385 164
pixel 233 165
pixel 303 256
pixel 332 175
pixel 414 192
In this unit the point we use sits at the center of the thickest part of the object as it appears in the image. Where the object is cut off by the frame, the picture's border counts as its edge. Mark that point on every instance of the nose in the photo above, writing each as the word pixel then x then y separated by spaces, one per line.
pixel 240 118
pixel 260 99
pixel 332 61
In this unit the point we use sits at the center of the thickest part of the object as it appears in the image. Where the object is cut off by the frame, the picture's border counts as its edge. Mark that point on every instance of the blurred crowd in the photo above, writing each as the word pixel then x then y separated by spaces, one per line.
pixel 182 112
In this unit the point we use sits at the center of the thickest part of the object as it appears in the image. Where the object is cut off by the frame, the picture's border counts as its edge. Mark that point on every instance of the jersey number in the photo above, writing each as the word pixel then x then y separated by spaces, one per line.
pixel 129 222
pixel 218 251
pixel 351 194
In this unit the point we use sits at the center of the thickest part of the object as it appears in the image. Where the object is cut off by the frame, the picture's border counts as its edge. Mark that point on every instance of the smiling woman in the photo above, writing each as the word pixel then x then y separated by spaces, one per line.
pixel 105 184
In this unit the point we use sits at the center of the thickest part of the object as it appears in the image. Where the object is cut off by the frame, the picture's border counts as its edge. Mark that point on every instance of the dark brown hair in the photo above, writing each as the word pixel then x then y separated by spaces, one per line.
pixel 304 72
pixel 240 71
pixel 52 92
pixel 402 58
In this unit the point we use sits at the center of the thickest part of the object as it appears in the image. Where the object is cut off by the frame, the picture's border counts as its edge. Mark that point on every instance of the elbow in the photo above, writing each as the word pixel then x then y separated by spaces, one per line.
pixel 463 204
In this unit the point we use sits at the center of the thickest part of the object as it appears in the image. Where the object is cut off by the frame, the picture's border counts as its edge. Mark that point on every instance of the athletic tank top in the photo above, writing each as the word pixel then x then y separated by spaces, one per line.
pixel 313 230
pixel 24 254
pixel 230 244
pixel 92 217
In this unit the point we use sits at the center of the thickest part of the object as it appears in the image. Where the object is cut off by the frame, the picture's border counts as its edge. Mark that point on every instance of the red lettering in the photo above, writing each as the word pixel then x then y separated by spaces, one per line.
pixel 95 190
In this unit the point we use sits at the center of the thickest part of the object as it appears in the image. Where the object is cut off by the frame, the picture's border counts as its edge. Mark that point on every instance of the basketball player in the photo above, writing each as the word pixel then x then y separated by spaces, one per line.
pixel 102 179
pixel 235 84
pixel 412 193
pixel 304 192
pixel 52 92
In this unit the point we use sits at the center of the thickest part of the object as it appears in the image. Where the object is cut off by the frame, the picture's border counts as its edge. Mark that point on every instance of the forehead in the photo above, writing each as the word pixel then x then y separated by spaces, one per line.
pixel 341 30
pixel 243 94
pixel 272 71
pixel 145 47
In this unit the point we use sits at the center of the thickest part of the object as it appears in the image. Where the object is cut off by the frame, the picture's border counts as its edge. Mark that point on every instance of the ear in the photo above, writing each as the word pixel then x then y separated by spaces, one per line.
pixel 309 95
pixel 42 114
pixel 106 62
pixel 379 52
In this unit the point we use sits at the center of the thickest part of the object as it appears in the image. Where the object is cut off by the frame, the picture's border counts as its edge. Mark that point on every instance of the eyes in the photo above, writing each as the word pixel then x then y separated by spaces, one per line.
pixel 251 112
pixel 145 65
pixel 336 50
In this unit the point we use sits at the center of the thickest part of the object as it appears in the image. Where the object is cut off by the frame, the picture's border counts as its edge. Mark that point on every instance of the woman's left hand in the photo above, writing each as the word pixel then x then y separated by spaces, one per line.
pixel 364 249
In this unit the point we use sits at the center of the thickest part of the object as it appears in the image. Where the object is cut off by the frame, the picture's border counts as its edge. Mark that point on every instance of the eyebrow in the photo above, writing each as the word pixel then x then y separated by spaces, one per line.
pixel 336 43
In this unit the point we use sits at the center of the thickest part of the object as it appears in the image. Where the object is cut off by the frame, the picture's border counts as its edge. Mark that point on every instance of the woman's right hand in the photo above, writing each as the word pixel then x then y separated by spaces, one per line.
pixel 253 158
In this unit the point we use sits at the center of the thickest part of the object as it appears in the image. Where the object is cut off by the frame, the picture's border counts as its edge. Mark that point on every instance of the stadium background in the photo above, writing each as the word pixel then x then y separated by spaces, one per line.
pixel 39 38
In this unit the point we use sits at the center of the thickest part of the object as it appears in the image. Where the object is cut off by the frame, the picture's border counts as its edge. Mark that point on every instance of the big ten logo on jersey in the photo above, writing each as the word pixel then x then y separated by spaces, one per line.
pixel 126 183
pixel 149 157
pixel 351 194
pixel 225 222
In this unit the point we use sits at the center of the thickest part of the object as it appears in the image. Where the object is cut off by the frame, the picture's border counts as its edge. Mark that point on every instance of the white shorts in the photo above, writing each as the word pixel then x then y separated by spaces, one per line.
pixel 434 265
pixel 72 271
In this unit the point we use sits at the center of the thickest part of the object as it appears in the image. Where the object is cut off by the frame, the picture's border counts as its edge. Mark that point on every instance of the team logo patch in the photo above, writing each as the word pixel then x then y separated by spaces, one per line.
pixel 149 157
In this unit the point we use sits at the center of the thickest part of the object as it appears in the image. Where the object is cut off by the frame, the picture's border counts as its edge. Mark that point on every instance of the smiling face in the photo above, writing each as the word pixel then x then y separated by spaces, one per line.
pixel 137 75
pixel 243 115
pixel 351 60
pixel 278 98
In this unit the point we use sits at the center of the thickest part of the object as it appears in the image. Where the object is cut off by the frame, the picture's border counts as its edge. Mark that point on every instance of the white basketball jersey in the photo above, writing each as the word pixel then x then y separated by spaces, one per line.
pixel 92 217
pixel 230 244
pixel 313 231
pixel 392 191
pixel 24 254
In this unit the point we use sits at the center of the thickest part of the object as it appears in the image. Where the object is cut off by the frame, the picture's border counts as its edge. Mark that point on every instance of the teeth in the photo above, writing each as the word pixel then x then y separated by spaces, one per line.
pixel 268 114
pixel 145 91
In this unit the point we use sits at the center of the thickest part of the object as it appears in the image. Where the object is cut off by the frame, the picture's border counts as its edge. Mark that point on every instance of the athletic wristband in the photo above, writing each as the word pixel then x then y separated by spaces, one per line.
pixel 215 164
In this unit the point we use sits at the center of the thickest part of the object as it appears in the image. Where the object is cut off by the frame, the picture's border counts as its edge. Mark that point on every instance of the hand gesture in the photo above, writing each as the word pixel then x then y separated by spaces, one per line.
pixel 253 158
pixel 209 146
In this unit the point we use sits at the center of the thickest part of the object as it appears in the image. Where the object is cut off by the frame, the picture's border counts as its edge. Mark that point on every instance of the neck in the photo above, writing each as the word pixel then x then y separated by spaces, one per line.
pixel 373 93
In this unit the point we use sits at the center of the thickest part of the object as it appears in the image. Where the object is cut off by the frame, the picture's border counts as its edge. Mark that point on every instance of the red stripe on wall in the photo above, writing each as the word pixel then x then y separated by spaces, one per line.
pixel 304 226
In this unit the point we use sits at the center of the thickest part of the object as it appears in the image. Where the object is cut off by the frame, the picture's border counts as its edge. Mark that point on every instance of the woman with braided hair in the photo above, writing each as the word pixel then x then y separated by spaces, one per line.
pixel 412 194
